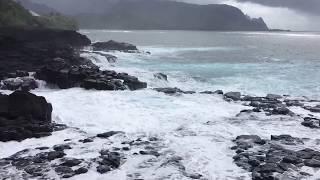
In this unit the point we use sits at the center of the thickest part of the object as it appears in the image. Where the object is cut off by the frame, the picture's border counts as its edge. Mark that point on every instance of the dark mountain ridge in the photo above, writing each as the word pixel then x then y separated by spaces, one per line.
pixel 163 15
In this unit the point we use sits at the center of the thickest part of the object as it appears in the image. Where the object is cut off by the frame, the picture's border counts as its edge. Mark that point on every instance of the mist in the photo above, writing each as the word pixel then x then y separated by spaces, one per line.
pixel 285 14
pixel 278 14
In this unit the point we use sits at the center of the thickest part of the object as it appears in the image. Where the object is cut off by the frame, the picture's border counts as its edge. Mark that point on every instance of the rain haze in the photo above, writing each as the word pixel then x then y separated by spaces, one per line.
pixel 278 14
pixel 282 14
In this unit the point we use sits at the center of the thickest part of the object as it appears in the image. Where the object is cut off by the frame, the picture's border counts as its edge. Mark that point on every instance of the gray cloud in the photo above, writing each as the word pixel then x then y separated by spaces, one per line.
pixel 305 6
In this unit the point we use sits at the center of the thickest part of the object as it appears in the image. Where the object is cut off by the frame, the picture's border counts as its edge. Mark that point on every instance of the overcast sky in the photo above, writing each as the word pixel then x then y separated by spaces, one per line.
pixel 284 14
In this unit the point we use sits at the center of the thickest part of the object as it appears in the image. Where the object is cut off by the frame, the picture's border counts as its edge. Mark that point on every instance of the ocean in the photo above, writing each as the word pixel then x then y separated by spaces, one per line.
pixel 250 62
pixel 197 128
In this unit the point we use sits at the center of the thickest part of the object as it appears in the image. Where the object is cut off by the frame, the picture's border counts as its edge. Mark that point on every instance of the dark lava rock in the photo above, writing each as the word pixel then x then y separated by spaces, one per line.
pixel 311 122
pixel 23 83
pixel 87 140
pixel 102 169
pixel 61 147
pixel 24 115
pixel 236 96
pixel 111 159
pixel 153 153
pixel 212 92
pixel 34 170
pixel 81 170
pixel 113 46
pixel 274 96
pixel 64 171
pixel 292 159
pixel 161 76
pixel 42 148
pixel 293 102
pixel 131 82
pixel 250 139
pixel 55 155
pixel 307 153
pixel 218 92
pixel 252 98
pixel 281 110
pixel 59 72
pixel 126 148
pixel 312 163
pixel 71 162
pixel 270 159
pixel 286 139
pixel 54 56
pixel 270 104
pixel 21 162
pixel 108 134
pixel 315 109
pixel 269 168
pixel 169 90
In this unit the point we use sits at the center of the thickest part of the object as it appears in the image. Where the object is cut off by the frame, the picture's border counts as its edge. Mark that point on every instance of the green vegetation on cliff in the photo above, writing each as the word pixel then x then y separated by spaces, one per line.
pixel 12 14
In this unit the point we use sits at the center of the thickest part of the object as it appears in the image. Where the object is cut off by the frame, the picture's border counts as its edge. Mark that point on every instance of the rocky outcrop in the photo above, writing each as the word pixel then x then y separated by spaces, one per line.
pixel 235 96
pixel 20 83
pixel 24 115
pixel 114 46
pixel 59 161
pixel 59 72
pixel 53 55
pixel 274 159
pixel 311 122
pixel 172 91
pixel 271 104
pixel 30 50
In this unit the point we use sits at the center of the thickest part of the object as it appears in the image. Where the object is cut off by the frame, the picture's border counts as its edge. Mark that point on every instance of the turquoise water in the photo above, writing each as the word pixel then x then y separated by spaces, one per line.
pixel 250 62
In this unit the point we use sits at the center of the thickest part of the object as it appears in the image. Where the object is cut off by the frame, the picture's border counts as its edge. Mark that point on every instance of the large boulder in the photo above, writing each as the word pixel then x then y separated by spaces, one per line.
pixel 236 96
pixel 24 115
pixel 113 46
pixel 131 82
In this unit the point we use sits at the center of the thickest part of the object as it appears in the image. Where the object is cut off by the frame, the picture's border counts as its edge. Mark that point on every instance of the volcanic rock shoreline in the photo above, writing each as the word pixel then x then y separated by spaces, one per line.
pixel 27 56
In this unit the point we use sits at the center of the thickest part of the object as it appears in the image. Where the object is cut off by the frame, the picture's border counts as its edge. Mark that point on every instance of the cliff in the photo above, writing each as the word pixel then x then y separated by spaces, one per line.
pixel 169 15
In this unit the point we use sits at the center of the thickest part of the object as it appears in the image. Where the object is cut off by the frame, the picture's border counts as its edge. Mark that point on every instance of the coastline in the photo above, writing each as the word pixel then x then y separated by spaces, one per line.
pixel 126 145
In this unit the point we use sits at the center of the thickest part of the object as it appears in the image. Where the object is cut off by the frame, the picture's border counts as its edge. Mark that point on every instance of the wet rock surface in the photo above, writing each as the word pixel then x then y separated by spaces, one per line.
pixel 172 91
pixel 235 96
pixel 20 83
pixel 271 104
pixel 311 122
pixel 59 161
pixel 54 56
pixel 114 46
pixel 24 115
pixel 280 157
pixel 87 76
